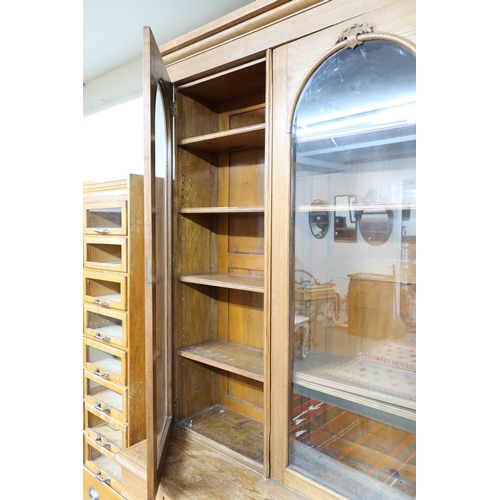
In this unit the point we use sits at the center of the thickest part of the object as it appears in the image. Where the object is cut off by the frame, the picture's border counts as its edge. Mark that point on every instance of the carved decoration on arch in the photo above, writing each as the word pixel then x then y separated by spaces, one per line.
pixel 350 35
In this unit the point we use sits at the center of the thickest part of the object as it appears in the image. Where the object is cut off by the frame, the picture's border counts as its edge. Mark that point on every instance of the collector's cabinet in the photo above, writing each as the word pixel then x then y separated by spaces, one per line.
pixel 113 329
pixel 280 289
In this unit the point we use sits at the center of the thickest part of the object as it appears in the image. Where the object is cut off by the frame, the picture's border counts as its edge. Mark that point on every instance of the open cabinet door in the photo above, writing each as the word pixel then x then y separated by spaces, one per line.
pixel 157 90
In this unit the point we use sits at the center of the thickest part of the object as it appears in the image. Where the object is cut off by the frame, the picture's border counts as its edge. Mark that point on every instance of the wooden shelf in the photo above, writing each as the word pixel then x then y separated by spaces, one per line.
pixel 220 210
pixel 236 139
pixel 227 280
pixel 227 86
pixel 229 356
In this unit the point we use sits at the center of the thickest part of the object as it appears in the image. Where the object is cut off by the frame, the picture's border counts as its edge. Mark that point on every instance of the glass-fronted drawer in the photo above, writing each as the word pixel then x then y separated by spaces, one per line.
pixel 107 218
pixel 105 325
pixel 100 462
pixel 104 431
pixel 94 487
pixel 106 290
pixel 104 252
pixel 105 361
pixel 105 397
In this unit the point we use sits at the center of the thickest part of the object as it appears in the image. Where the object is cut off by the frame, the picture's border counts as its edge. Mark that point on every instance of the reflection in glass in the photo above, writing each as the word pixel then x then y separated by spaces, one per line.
pixel 105 218
pixel 352 418
pixel 319 219
pixel 345 223
pixel 375 225
pixel 160 267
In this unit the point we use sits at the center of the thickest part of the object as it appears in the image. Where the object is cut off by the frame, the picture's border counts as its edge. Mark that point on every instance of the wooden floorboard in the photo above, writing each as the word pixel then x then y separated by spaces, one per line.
pixel 197 468
pixel 197 472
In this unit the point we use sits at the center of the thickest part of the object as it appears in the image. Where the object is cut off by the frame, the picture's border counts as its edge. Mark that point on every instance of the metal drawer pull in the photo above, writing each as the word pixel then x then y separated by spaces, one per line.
pixel 96 372
pixel 98 476
pixel 102 337
pixel 101 231
pixel 104 409
pixel 103 445
pixel 99 303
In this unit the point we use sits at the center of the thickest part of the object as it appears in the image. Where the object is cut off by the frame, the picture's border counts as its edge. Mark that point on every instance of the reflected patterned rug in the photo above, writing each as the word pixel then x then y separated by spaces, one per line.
pixel 396 354
pixel 378 377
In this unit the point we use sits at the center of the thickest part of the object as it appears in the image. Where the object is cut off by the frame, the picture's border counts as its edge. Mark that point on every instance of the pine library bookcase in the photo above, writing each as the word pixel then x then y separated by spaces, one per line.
pixel 244 395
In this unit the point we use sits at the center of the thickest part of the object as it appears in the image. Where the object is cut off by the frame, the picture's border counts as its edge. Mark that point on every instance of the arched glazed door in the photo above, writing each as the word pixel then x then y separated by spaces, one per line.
pixel 158 256
pixel 352 423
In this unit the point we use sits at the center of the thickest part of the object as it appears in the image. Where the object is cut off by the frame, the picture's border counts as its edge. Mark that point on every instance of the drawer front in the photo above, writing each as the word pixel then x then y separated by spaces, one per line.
pixel 104 430
pixel 106 218
pixel 105 252
pixel 105 325
pixel 101 464
pixel 105 290
pixel 95 489
pixel 105 361
pixel 106 398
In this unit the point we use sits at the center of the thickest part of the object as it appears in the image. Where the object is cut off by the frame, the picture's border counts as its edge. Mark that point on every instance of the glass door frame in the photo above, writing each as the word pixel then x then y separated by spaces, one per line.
pixel 158 258
pixel 285 93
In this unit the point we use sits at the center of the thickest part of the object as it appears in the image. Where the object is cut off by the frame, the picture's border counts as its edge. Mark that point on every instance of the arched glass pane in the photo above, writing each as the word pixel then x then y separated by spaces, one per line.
pixel 352 418
pixel 161 264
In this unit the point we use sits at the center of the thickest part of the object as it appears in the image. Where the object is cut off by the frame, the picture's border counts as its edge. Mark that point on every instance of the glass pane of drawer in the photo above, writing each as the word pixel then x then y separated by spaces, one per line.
pixel 105 218
pixel 106 290
pixel 105 325
pixel 105 361
pixel 106 398
pixel 104 431
pixel 101 463
pixel 104 252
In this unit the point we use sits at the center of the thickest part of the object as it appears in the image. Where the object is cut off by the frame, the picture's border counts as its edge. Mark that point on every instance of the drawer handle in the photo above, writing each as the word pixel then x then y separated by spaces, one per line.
pixel 101 231
pixel 102 337
pixel 101 444
pixel 104 375
pixel 99 478
pixel 99 303
pixel 102 409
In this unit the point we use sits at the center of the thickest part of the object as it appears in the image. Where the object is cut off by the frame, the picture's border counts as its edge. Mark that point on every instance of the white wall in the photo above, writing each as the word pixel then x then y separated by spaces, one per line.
pixel 112 142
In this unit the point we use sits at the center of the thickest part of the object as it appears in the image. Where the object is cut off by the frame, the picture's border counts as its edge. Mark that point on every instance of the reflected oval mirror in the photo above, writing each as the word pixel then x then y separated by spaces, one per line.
pixel 319 220
pixel 344 221
pixel 375 225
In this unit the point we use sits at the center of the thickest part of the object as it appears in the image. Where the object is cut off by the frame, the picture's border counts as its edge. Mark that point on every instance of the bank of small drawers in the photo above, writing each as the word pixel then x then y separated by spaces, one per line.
pixel 105 343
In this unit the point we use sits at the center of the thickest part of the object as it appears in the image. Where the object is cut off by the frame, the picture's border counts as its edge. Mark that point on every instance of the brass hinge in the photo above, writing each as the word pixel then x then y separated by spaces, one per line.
pixel 149 271
pixel 176 406
pixel 173 109
pixel 174 260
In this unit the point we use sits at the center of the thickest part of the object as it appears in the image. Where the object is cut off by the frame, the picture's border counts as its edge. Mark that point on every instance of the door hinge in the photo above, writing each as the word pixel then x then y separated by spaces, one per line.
pixel 173 109
pixel 174 260
pixel 176 406
pixel 149 271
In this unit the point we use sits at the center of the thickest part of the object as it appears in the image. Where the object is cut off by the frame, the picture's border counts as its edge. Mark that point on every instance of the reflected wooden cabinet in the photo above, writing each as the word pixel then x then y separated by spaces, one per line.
pixel 370 305
pixel 113 329
pixel 246 359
